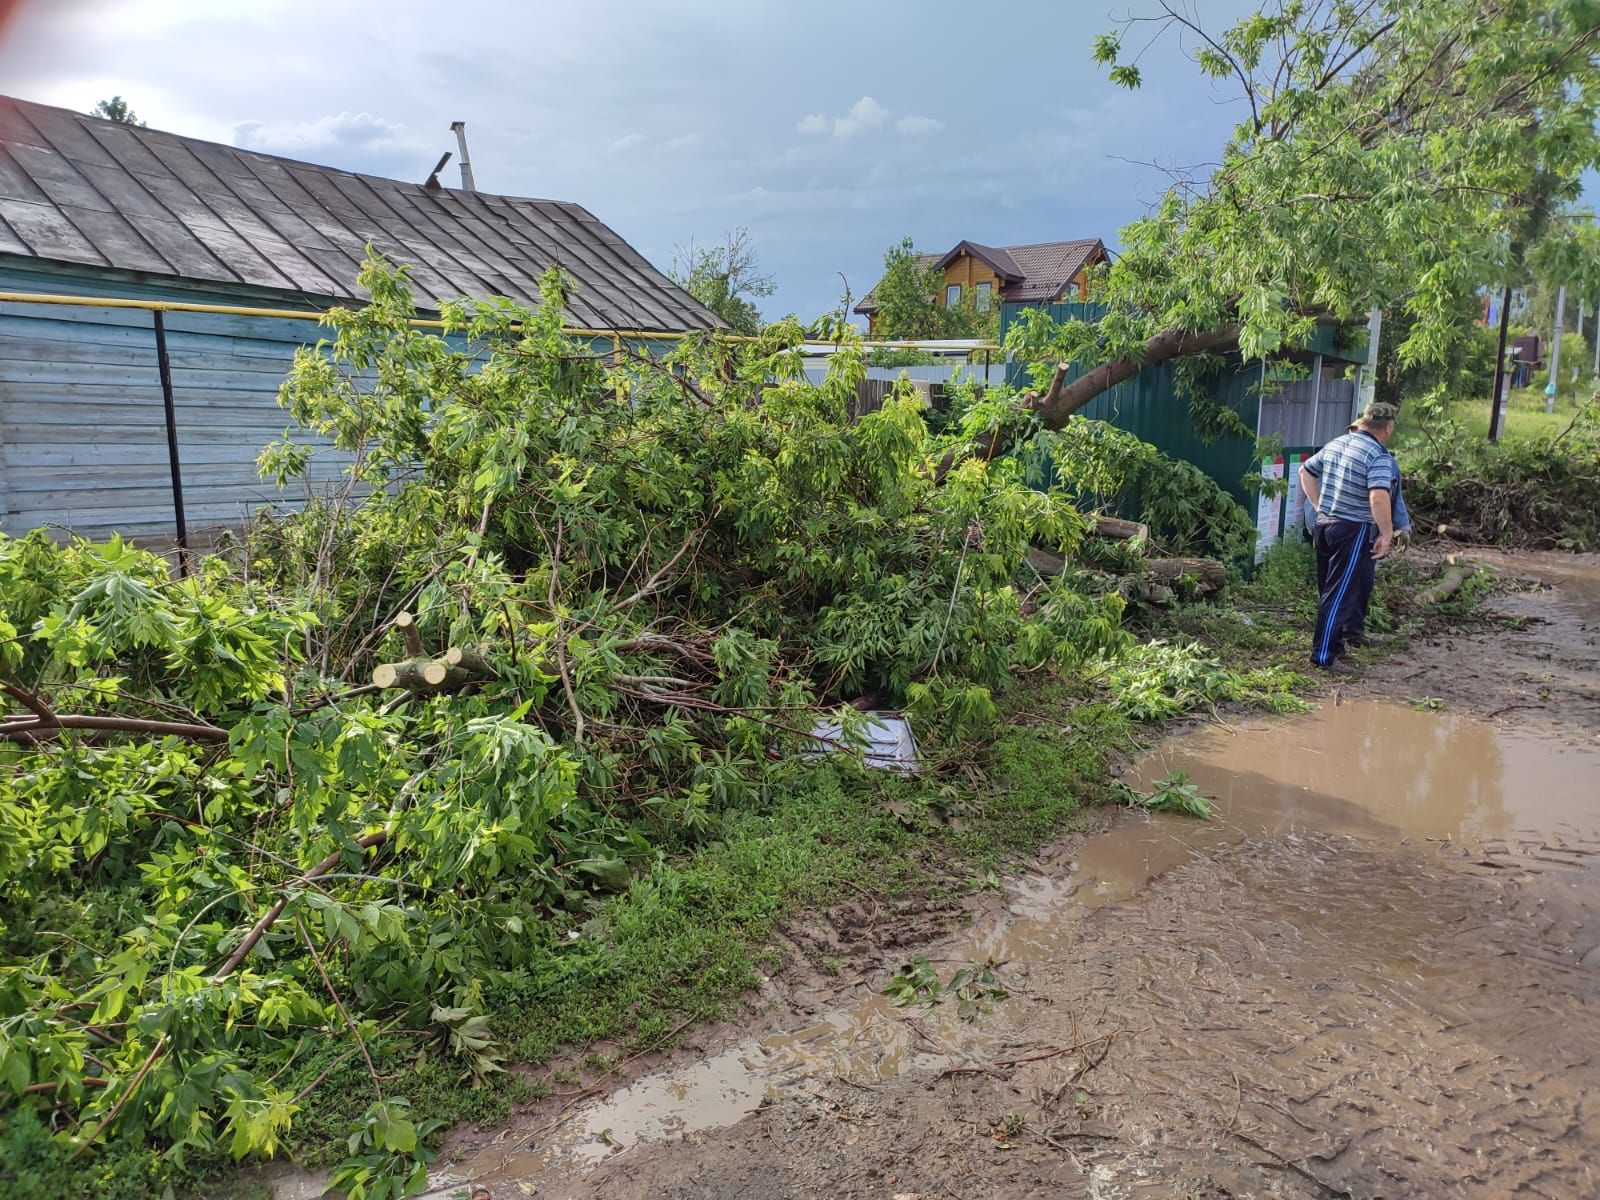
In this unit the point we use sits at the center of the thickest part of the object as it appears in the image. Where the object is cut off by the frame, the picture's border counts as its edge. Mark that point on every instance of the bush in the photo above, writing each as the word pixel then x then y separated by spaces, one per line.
pixel 1515 493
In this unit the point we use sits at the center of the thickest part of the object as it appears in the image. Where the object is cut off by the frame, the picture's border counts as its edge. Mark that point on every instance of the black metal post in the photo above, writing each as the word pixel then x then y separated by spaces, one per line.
pixel 172 442
pixel 1496 406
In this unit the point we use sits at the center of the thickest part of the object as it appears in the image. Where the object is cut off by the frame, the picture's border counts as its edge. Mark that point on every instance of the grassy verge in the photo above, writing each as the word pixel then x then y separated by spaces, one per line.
pixel 688 939
pixel 1525 418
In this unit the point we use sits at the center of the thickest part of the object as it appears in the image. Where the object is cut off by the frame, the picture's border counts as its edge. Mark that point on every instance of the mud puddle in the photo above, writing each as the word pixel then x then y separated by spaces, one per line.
pixel 867 1042
pixel 1409 785
pixel 1372 769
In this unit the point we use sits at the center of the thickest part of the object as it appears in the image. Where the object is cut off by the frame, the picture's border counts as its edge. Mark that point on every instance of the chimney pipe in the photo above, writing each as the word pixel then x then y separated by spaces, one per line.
pixel 460 130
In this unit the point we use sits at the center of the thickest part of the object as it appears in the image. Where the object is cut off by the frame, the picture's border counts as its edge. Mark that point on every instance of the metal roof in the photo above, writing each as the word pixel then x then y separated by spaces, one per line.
pixel 1047 267
pixel 79 189
pixel 1036 273
pixel 994 257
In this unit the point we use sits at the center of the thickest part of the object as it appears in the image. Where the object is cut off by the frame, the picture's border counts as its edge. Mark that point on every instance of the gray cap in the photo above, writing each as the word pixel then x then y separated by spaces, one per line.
pixel 1377 413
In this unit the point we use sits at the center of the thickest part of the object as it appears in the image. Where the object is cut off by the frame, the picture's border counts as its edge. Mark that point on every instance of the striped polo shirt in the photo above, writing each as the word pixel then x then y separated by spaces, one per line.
pixel 1347 468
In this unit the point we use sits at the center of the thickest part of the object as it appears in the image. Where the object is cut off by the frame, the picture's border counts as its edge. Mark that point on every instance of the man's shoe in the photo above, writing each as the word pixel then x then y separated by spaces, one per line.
pixel 1337 667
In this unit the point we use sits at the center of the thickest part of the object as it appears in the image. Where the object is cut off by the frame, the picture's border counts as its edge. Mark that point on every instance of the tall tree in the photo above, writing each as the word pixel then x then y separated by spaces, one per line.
pixel 116 109
pixel 726 278
pixel 908 301
pixel 1388 156
pixel 907 296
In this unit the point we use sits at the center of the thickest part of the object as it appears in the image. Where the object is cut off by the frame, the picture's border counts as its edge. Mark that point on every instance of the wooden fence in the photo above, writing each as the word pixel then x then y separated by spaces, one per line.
pixel 871 393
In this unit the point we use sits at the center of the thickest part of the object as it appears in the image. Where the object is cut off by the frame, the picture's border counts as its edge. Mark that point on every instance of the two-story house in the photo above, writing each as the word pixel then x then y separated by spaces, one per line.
pixel 1035 274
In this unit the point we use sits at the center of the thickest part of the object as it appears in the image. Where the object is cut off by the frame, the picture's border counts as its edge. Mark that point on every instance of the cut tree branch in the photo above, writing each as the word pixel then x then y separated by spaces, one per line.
pixel 30 729
pixel 259 929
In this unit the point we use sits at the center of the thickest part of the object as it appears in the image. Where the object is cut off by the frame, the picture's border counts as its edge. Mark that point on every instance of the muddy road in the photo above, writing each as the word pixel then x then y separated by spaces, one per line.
pixel 1375 974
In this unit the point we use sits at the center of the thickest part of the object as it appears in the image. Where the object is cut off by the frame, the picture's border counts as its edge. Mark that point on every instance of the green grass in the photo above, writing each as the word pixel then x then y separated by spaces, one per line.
pixel 1268 621
pixel 1525 418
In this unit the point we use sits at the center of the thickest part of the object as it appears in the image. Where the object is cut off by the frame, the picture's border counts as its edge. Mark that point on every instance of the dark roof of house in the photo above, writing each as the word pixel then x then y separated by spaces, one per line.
pixel 78 189
pixel 998 259
pixel 1032 274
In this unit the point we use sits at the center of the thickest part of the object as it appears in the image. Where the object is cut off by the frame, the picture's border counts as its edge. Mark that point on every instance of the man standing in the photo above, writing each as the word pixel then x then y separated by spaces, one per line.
pixel 1349 482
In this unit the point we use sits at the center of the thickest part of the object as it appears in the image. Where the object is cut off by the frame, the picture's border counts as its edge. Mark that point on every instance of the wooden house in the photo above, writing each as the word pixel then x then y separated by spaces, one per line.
pixel 1033 275
pixel 110 212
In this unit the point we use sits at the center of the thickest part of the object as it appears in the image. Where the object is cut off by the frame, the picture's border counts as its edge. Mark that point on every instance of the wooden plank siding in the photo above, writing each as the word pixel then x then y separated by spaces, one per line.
pixel 969 273
pixel 82 427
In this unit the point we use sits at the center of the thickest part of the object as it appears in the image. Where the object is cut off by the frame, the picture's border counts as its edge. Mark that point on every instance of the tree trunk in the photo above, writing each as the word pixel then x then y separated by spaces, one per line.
pixel 1056 408
pixel 1116 527
pixel 1207 572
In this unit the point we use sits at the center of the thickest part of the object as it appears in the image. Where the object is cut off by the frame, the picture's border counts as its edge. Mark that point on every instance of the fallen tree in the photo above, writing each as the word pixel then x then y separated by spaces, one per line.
pixel 255 821
pixel 1521 493
pixel 1396 154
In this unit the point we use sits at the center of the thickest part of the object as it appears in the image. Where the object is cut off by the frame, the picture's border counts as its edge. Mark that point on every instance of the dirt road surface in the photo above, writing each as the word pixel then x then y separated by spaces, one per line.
pixel 1375 974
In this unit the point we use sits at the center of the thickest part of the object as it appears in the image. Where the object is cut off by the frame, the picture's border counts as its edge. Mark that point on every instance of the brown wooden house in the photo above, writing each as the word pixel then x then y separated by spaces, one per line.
pixel 1034 274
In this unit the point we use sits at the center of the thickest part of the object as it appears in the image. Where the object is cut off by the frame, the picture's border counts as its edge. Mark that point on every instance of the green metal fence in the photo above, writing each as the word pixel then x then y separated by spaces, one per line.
pixel 1149 406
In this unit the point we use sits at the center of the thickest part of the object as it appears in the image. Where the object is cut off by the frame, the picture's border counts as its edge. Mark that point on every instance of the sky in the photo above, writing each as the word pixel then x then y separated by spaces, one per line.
pixel 830 131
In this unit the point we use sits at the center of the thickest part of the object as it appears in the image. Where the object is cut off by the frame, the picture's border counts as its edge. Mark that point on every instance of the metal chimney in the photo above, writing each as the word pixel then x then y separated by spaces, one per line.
pixel 459 128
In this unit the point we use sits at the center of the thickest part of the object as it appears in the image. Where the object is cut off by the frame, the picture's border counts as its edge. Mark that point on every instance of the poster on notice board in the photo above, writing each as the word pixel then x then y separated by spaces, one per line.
pixel 1269 506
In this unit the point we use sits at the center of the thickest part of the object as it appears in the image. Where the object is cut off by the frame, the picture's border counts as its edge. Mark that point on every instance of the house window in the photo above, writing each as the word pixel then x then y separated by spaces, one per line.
pixel 1073 291
pixel 985 295
pixel 952 296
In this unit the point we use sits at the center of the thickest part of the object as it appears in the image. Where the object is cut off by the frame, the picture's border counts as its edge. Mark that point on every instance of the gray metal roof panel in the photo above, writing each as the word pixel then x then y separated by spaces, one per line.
pixel 60 130
pixel 103 228
pixel 17 183
pixel 10 243
pixel 165 204
pixel 48 233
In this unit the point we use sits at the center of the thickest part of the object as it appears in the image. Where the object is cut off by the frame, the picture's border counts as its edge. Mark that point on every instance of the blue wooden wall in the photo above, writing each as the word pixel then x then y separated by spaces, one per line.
pixel 82 433
pixel 82 429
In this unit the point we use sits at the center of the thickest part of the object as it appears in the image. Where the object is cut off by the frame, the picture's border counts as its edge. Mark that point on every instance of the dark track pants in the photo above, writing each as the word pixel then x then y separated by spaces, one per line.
pixel 1345 571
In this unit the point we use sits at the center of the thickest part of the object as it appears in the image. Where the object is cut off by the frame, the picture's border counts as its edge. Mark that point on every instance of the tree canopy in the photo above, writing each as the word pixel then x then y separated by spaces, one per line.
pixel 116 109
pixel 908 295
pixel 1392 153
pixel 726 278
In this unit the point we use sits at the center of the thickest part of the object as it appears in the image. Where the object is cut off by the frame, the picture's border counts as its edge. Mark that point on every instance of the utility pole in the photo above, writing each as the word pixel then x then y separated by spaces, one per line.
pixel 1576 367
pixel 1369 377
pixel 1555 350
pixel 1497 403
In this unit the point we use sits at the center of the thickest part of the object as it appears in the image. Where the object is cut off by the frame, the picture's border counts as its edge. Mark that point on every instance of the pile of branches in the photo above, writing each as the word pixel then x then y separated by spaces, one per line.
pixel 568 606
pixel 1518 493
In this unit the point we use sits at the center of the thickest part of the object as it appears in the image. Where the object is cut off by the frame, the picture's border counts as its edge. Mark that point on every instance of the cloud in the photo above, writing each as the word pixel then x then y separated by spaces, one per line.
pixel 865 114
pixel 918 126
pixel 626 142
pixel 683 141
pixel 347 131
